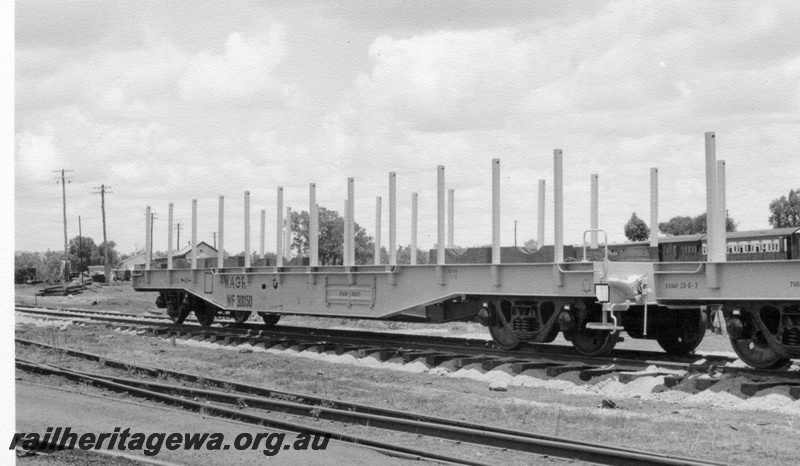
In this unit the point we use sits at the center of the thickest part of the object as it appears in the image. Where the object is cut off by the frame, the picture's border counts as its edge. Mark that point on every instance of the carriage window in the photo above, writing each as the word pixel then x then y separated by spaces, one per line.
pixel 755 246
pixel 731 247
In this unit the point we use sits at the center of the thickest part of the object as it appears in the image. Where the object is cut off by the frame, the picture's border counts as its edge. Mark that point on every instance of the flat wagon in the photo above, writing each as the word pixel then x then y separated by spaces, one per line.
pixel 526 297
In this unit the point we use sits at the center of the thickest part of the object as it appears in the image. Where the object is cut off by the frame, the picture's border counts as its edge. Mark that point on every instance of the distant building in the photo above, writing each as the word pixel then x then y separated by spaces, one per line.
pixel 203 251
pixel 132 262
pixel 183 257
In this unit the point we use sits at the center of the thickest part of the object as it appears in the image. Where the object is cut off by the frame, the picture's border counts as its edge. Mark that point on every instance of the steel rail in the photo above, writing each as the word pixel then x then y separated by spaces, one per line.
pixel 241 387
pixel 238 414
pixel 509 439
pixel 455 346
pixel 462 346
pixel 93 316
pixel 307 400
pixel 51 447
pixel 61 311
pixel 447 344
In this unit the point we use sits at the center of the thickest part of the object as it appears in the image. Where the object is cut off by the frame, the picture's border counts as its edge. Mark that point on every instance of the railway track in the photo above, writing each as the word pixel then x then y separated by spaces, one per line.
pixel 251 402
pixel 697 372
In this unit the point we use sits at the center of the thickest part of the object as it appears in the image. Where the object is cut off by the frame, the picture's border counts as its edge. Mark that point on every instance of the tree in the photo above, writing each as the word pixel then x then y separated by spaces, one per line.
pixel 83 252
pixel 636 229
pixel 331 235
pixel 404 255
pixel 98 254
pixel 23 263
pixel 684 225
pixel 47 265
pixel 81 249
pixel 680 225
pixel 785 212
pixel 531 245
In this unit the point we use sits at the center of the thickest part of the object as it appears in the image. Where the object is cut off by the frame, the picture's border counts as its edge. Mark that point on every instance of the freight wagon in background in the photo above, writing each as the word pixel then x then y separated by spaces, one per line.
pixel 591 294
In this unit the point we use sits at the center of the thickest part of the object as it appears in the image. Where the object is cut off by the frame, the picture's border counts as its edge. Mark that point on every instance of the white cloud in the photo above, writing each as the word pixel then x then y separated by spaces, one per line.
pixel 224 106
pixel 633 87
pixel 242 73
pixel 750 92
pixel 449 80
pixel 34 152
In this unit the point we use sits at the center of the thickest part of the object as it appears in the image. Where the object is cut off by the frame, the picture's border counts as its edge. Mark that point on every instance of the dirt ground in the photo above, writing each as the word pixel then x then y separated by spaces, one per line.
pixel 717 424
pixel 38 405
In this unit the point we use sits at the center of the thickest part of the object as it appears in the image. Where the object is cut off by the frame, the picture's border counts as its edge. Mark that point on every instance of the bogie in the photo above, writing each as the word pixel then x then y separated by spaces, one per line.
pixel 514 321
pixel 586 341
pixel 754 332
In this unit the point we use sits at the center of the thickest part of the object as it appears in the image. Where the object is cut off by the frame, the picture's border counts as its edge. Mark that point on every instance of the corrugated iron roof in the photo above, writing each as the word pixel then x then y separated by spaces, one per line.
pixel 682 238
pixel 188 248
pixel 730 235
pixel 760 233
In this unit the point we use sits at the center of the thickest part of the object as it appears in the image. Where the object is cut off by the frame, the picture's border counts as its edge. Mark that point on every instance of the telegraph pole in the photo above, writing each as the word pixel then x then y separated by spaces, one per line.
pixel 80 249
pixel 215 239
pixel 515 233
pixel 179 234
pixel 64 181
pixel 102 191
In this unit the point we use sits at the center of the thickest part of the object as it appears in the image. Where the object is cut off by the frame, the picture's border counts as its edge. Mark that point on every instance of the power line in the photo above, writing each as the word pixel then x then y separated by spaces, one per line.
pixel 178 227
pixel 64 180
pixel 102 191
pixel 80 249
pixel 515 233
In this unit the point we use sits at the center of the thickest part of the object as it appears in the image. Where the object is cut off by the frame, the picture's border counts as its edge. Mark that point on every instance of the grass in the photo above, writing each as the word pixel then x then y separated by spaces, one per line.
pixel 733 436
pixel 738 437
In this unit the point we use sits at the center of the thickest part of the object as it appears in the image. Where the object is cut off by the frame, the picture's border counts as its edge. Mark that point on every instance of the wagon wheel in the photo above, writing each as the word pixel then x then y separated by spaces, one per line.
pixel 269 319
pixel 205 313
pixel 500 332
pixel 240 317
pixel 593 343
pixel 179 311
pixel 173 312
pixel 756 352
pixel 686 336
pixel 751 344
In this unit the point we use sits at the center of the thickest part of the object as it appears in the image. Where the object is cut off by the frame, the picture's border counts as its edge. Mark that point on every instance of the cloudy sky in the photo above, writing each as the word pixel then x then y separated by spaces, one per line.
pixel 171 101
